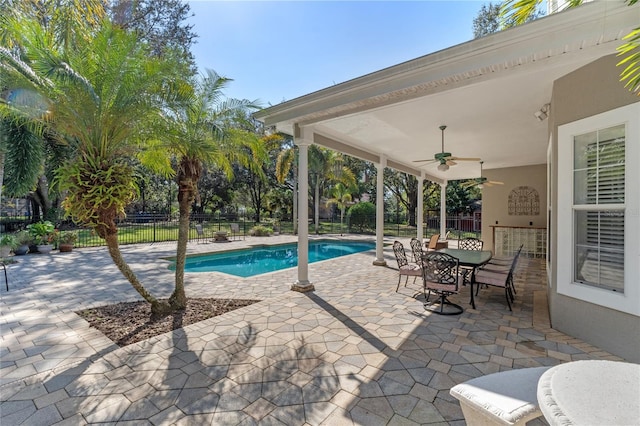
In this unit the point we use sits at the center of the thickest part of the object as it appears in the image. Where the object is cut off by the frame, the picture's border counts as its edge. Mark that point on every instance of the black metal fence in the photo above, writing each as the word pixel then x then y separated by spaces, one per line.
pixel 158 228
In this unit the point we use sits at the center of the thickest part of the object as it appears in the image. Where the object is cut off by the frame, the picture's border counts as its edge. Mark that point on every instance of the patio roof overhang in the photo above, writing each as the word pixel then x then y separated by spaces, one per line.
pixel 486 91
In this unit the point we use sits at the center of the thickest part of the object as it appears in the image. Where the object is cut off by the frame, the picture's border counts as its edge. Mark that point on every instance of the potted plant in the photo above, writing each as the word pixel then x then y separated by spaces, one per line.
pixel 24 240
pixel 8 242
pixel 67 240
pixel 44 235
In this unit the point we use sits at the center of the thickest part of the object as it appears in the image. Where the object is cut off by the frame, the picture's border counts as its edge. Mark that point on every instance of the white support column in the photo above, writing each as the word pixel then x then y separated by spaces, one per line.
pixel 443 209
pixel 380 212
pixel 420 209
pixel 303 284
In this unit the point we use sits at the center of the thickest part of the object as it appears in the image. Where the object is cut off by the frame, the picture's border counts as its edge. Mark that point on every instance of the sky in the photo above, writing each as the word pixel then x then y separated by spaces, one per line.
pixel 276 51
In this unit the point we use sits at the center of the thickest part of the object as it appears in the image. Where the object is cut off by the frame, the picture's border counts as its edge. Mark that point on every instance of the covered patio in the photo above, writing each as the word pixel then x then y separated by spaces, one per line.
pixel 493 94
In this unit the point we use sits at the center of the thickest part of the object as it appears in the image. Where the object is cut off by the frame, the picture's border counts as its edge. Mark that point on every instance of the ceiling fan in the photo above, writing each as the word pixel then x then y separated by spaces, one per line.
pixel 481 181
pixel 445 159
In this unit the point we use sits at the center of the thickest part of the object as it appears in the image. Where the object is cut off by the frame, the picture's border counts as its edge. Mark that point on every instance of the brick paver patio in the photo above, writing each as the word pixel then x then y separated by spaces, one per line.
pixel 352 352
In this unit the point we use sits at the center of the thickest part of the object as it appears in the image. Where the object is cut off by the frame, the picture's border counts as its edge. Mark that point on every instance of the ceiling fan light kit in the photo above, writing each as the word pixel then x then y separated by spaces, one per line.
pixel 446 159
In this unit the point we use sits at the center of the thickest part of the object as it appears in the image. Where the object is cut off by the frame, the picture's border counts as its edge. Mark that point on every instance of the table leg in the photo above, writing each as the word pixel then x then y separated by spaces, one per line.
pixel 473 278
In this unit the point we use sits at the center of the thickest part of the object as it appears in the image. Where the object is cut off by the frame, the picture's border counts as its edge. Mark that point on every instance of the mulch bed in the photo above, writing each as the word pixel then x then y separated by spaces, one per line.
pixel 130 322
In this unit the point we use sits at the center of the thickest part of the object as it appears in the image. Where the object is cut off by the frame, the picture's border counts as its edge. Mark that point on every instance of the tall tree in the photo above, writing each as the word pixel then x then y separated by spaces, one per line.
pixel 64 23
pixel 101 92
pixel 198 131
pixel 341 197
pixel 487 21
pixel 162 24
pixel 519 11
pixel 287 172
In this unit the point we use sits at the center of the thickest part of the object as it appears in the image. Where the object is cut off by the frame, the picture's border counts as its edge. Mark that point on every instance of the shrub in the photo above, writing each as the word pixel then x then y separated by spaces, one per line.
pixel 9 240
pixel 43 232
pixel 24 238
pixel 260 231
pixel 68 237
pixel 362 216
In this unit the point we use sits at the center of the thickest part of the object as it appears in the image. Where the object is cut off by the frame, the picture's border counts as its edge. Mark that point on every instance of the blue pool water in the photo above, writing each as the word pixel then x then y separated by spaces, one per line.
pixel 262 259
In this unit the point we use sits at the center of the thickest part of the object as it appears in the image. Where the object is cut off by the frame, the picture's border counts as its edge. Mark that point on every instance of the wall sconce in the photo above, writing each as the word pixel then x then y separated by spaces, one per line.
pixel 542 113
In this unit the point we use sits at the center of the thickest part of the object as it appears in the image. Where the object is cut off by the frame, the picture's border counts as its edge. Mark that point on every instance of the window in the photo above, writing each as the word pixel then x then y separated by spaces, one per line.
pixel 598 207
pixel 598 202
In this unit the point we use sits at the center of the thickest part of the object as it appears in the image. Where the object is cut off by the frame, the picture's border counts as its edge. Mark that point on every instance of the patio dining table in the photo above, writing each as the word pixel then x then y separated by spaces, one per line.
pixel 472 259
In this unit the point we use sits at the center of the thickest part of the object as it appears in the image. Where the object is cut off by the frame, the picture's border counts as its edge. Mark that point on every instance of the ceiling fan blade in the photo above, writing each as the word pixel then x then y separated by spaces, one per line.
pixel 494 182
pixel 421 161
pixel 451 162
pixel 464 159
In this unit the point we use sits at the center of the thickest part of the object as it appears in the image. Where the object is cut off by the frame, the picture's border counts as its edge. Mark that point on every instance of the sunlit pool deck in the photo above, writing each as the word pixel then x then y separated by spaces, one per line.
pixel 352 352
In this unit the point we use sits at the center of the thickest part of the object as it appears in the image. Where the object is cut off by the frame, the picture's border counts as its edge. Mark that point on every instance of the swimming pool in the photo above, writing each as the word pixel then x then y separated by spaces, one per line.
pixel 262 259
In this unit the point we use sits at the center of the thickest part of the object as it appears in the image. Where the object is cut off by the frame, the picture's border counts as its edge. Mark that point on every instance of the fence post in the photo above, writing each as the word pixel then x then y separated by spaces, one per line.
pixel 154 229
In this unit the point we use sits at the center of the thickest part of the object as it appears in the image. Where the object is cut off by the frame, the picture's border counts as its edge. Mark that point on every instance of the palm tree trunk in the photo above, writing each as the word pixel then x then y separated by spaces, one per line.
pixel 317 205
pixel 178 299
pixel 158 308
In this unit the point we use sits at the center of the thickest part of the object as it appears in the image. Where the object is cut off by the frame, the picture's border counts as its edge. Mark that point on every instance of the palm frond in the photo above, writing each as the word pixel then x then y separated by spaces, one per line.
pixel 631 61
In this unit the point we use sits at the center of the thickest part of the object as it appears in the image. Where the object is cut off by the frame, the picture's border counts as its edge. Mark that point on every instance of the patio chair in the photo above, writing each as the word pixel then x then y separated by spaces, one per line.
pixel 497 278
pixel 433 242
pixel 200 231
pixel 468 244
pixel 404 267
pixel 416 249
pixel 504 398
pixel 440 275
pixel 235 230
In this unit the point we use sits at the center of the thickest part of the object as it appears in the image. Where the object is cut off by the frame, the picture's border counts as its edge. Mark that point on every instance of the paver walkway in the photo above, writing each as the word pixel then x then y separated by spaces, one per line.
pixel 352 352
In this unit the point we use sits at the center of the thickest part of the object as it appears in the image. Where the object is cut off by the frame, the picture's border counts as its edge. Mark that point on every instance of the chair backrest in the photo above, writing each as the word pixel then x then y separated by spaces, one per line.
pixel 440 268
pixel 235 228
pixel 199 230
pixel 470 244
pixel 433 241
pixel 401 257
pixel 416 248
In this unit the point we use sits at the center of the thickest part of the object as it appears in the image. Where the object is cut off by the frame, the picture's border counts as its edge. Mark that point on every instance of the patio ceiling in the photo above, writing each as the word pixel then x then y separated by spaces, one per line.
pixel 485 91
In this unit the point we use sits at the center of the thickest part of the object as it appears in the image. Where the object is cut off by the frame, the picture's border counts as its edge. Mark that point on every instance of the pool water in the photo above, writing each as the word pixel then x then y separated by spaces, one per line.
pixel 263 259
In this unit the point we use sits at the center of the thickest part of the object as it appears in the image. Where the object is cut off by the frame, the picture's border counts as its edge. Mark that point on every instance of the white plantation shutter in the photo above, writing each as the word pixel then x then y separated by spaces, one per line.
pixel 599 207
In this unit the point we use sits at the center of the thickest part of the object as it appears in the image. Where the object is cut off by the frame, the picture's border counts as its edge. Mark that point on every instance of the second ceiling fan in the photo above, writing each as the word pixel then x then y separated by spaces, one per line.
pixel 445 159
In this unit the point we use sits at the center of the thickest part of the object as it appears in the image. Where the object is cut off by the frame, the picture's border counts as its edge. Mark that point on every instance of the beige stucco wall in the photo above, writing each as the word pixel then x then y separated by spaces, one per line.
pixel 588 91
pixel 495 199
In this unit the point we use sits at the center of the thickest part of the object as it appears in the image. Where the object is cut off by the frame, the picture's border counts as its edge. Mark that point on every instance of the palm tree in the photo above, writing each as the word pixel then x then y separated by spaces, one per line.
pixel 326 166
pixel 287 161
pixel 100 93
pixel 341 197
pixel 520 11
pixel 22 152
pixel 199 132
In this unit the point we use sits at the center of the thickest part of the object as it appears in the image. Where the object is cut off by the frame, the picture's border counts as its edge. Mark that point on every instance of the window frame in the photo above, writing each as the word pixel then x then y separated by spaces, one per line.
pixel 628 300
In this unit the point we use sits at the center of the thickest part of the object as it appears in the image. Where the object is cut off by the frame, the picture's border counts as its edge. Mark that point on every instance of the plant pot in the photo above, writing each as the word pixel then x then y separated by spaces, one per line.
pixel 45 248
pixel 21 250
pixel 65 248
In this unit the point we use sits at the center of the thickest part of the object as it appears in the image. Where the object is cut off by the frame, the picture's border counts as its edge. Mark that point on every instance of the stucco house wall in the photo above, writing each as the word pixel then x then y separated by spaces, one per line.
pixel 590 90
pixel 495 199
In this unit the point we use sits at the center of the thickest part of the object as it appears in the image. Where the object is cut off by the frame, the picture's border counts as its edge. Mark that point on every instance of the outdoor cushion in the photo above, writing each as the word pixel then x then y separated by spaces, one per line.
pixel 411 270
pixel 506 398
